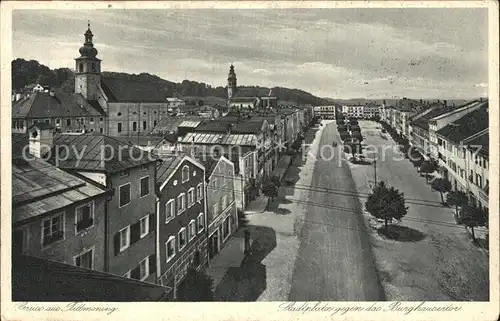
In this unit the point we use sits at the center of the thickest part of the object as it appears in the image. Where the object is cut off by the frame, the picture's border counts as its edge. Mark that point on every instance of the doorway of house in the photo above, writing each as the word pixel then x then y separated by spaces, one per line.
pixel 213 242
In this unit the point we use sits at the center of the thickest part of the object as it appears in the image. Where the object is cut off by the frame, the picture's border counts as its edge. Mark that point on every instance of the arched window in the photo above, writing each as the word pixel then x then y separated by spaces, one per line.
pixel 185 173
pixel 80 67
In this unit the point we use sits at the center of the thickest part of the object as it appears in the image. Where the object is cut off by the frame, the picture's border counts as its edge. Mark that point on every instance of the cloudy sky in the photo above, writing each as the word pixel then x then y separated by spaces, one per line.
pixel 337 53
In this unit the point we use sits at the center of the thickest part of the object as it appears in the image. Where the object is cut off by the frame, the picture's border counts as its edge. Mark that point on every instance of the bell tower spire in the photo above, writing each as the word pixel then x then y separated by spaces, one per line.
pixel 231 82
pixel 88 68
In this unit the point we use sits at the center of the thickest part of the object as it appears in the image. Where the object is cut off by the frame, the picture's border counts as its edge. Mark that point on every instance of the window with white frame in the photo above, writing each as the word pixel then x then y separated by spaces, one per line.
pixel 85 259
pixel 144 186
pixel 84 216
pixel 169 210
pixel 199 191
pixel 215 209
pixel 124 195
pixel 144 226
pixel 170 248
pixel 52 229
pixel 181 203
pixel 191 196
pixel 192 229
pixel 124 238
pixel 144 269
pixel 201 222
pixel 182 238
pixel 185 173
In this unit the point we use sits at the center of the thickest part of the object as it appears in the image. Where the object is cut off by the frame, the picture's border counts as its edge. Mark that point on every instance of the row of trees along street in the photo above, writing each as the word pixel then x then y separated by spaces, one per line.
pixel 388 203
pixel 350 134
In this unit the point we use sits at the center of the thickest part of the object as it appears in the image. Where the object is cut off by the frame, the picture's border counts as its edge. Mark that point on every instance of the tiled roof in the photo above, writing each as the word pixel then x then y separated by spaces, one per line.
pixel 43 105
pixel 468 125
pixel 123 90
pixel 85 152
pixel 37 279
pixel 482 140
pixel 168 164
pixel 39 187
pixel 219 139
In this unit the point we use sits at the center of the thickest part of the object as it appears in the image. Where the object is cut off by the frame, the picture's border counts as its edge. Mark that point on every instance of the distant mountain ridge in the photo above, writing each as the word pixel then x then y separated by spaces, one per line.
pixel 26 72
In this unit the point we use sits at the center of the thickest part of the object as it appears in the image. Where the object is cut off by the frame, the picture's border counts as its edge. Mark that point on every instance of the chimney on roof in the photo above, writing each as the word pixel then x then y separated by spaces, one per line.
pixel 445 103
pixel 420 100
pixel 52 93
pixel 41 139
pixel 481 99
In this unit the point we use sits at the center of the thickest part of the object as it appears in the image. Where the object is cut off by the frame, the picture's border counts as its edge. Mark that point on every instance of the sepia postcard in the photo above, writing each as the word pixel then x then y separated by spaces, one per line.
pixel 250 160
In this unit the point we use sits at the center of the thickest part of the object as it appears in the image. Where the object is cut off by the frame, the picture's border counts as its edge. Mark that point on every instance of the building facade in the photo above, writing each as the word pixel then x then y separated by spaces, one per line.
pixel 130 213
pixel 221 206
pixel 181 208
pixel 353 111
pixel 463 150
pixel 325 112
pixel 56 215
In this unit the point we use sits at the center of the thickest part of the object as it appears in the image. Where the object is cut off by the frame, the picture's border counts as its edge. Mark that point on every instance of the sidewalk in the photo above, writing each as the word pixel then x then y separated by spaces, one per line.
pixel 231 255
pixel 257 206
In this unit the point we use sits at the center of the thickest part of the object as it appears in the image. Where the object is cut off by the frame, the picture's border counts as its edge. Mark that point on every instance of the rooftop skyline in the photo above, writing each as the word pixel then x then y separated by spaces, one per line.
pixel 336 53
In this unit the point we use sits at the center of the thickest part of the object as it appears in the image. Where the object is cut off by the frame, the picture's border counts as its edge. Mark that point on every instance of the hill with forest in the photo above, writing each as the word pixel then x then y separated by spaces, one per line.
pixel 25 72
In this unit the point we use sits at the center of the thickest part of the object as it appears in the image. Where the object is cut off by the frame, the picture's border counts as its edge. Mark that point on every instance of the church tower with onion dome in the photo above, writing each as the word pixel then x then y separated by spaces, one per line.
pixel 88 69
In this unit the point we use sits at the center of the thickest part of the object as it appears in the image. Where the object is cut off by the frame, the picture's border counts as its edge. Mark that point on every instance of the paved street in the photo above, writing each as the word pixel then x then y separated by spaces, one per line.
pixel 312 243
pixel 334 261
pixel 434 258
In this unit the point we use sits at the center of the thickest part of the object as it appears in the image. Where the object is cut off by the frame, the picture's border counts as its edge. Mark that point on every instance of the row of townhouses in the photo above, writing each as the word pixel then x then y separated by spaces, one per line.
pixel 456 137
pixel 85 197
pixel 92 201
pixel 367 111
